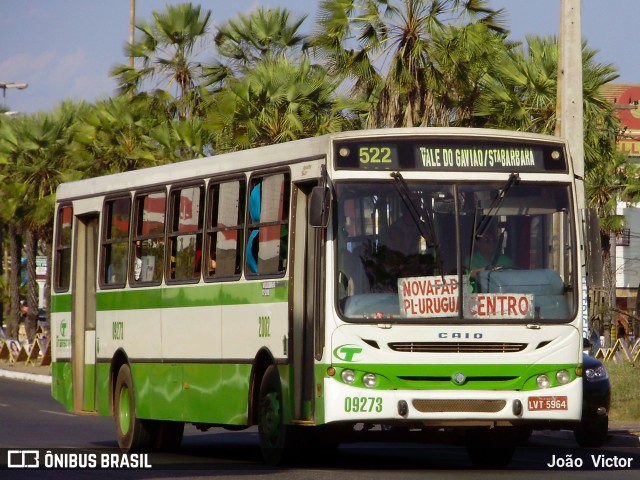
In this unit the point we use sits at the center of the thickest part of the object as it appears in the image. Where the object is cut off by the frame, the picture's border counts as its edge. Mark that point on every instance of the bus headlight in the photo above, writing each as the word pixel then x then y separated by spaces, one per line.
pixel 348 376
pixel 543 381
pixel 369 380
pixel 563 377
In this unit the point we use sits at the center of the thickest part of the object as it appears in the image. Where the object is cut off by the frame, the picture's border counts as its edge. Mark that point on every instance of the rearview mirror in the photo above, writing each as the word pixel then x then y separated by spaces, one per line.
pixel 319 207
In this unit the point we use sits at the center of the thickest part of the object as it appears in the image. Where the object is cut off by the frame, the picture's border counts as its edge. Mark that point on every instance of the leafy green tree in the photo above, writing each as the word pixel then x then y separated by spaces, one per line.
pixel 268 91
pixel 609 183
pixel 166 57
pixel 275 102
pixel 521 94
pixel 115 135
pixel 12 192
pixel 180 140
pixel 412 61
pixel 35 150
pixel 263 35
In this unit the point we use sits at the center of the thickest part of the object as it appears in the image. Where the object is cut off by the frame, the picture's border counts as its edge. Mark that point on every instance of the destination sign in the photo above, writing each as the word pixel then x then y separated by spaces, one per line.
pixel 454 155
pixel 478 157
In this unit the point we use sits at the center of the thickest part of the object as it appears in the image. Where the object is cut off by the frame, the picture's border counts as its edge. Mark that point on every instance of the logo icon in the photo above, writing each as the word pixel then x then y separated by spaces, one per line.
pixel 459 378
pixel 346 353
pixel 23 459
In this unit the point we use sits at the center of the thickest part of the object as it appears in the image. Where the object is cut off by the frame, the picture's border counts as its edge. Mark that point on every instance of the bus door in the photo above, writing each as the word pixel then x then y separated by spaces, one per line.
pixel 307 292
pixel 83 343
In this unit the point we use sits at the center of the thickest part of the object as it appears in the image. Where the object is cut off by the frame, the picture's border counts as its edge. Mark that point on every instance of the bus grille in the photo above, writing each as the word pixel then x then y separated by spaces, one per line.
pixel 457 347
pixel 436 406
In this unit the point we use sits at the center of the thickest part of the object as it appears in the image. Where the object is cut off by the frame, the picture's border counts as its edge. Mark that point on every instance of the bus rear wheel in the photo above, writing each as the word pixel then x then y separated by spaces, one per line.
pixel 168 435
pixel 133 434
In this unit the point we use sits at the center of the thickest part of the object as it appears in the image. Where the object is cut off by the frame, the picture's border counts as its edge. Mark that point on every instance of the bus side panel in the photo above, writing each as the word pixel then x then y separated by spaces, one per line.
pixel 60 338
pixel 192 392
pixel 103 390
pixel 61 385
pixel 216 393
pixel 158 390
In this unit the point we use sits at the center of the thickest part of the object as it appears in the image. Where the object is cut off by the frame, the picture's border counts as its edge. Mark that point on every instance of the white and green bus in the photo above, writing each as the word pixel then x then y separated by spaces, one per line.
pixel 313 286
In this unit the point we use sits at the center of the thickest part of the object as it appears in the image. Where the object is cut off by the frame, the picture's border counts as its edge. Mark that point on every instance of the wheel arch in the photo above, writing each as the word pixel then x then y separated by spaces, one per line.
pixel 119 359
pixel 263 360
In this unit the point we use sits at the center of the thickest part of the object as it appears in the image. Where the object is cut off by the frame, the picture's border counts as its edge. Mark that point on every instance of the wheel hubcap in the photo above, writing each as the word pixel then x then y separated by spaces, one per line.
pixel 270 420
pixel 124 410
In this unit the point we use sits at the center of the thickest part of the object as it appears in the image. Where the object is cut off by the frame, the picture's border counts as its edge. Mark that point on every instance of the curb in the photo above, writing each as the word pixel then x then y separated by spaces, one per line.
pixel 29 377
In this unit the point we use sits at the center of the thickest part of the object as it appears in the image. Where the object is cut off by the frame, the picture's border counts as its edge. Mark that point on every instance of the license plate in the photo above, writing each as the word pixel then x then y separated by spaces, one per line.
pixel 548 403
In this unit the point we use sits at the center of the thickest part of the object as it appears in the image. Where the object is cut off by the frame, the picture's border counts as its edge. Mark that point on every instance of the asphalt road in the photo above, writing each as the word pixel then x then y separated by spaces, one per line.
pixel 30 419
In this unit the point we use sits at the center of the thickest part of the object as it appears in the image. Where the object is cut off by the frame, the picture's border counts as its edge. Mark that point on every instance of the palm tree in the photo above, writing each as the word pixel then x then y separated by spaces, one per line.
pixel 12 194
pixel 267 90
pixel 264 34
pixel 115 134
pixel 180 140
pixel 275 102
pixel 167 55
pixel 36 147
pixel 521 94
pixel 398 55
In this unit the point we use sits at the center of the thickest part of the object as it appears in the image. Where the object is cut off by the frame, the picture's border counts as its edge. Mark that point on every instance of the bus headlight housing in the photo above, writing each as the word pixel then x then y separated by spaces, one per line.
pixel 369 380
pixel 543 381
pixel 563 377
pixel 348 376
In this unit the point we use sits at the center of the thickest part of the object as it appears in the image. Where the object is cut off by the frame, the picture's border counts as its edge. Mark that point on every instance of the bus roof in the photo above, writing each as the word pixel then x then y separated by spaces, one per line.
pixel 264 157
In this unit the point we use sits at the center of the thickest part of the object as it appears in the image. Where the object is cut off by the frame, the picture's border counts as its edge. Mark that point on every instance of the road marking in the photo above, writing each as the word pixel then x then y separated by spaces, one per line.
pixel 58 413
pixel 4 405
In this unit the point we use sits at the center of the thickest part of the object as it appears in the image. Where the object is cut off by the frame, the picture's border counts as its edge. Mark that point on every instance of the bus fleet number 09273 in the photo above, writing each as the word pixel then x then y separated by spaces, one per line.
pixel 362 404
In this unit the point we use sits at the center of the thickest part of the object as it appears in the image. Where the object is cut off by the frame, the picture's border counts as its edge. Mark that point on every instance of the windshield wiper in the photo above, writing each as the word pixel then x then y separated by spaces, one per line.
pixel 426 231
pixel 488 217
pixel 406 196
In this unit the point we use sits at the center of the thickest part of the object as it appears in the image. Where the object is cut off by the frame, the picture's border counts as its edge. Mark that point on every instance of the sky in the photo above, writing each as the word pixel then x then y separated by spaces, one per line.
pixel 64 49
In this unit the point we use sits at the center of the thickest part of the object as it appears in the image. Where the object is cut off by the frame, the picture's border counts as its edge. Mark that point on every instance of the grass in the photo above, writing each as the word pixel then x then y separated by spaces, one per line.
pixel 625 389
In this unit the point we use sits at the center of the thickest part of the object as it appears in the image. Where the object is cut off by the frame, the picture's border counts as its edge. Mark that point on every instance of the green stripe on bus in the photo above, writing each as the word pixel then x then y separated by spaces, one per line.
pixel 481 376
pixel 61 303
pixel 183 296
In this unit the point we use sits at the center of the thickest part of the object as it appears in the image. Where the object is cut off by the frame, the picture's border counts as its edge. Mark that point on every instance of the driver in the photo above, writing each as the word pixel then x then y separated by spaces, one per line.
pixel 488 253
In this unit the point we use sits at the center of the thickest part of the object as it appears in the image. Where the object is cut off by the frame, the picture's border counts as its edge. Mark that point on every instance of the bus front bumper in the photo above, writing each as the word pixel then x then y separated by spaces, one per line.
pixel 344 403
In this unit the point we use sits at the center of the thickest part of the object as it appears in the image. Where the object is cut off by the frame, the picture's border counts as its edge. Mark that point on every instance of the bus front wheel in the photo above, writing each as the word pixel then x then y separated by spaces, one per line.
pixel 133 434
pixel 276 439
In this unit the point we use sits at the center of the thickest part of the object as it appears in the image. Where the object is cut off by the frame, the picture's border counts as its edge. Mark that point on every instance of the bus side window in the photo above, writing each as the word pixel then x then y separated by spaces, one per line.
pixel 225 226
pixel 185 234
pixel 268 221
pixel 115 242
pixel 64 237
pixel 148 241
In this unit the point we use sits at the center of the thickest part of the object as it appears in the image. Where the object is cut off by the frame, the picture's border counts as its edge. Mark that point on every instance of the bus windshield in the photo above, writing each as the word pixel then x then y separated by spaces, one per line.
pixel 490 251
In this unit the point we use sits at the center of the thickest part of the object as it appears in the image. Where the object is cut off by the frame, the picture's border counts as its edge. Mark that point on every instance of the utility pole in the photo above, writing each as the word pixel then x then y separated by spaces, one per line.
pixel 570 115
pixel 132 27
